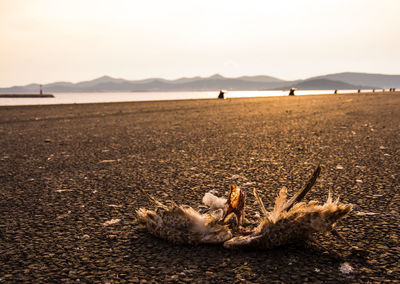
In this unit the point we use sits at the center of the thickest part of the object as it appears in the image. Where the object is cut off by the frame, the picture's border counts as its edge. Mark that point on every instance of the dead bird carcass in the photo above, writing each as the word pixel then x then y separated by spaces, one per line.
pixel 184 225
pixel 290 221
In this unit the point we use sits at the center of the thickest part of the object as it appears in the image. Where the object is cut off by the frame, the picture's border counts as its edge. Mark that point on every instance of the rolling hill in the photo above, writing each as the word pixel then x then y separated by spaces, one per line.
pixel 216 82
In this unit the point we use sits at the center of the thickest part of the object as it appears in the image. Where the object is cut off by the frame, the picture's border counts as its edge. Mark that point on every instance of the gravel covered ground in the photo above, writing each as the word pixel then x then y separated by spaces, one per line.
pixel 69 179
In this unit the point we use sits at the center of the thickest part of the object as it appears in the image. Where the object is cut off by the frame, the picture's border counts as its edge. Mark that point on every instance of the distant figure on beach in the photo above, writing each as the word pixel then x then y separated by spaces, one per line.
pixel 41 90
pixel 359 91
pixel 335 92
pixel 221 94
pixel 373 90
pixel 291 91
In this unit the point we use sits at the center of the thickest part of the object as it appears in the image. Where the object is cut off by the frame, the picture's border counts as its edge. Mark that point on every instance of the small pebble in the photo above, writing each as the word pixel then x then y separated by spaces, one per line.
pixel 111 222
pixel 345 268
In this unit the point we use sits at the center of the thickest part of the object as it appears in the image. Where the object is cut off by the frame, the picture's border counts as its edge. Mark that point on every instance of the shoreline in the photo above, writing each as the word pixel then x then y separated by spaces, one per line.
pixel 194 99
pixel 66 170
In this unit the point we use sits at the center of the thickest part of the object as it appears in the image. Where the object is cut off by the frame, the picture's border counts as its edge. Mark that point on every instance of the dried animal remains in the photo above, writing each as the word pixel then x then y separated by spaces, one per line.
pixel 290 220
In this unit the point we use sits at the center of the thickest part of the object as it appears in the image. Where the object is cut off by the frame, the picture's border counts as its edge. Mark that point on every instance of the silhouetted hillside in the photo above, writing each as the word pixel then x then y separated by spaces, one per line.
pixel 109 84
pixel 378 80
pixel 323 84
pixel 216 82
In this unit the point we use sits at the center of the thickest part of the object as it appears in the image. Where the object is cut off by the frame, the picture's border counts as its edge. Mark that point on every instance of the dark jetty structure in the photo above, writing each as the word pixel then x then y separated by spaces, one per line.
pixel 26 96
pixel 40 95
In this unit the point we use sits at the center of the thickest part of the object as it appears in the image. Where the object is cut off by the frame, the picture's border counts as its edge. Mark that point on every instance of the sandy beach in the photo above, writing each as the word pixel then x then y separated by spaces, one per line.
pixel 69 179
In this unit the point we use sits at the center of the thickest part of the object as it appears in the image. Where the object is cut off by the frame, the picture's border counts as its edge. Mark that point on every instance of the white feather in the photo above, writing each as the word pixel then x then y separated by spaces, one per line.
pixel 279 203
pixel 213 201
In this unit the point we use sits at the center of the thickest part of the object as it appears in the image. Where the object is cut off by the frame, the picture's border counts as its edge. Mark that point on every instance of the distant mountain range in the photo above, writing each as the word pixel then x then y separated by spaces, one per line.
pixel 341 81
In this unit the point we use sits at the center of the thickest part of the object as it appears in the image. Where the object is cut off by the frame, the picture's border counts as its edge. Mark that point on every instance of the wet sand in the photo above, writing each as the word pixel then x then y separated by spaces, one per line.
pixel 66 170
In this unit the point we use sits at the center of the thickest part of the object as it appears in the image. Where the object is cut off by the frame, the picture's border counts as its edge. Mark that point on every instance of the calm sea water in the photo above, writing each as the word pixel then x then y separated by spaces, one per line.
pixel 81 98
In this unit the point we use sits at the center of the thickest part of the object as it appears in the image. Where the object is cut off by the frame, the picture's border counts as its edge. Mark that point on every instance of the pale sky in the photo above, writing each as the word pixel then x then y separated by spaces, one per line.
pixel 44 41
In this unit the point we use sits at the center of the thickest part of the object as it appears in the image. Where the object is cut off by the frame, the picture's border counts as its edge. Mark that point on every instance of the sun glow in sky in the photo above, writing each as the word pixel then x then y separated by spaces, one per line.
pixel 44 41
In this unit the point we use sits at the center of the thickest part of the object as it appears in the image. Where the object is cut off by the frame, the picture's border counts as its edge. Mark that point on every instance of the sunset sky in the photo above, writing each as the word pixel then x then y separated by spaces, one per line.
pixel 43 41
